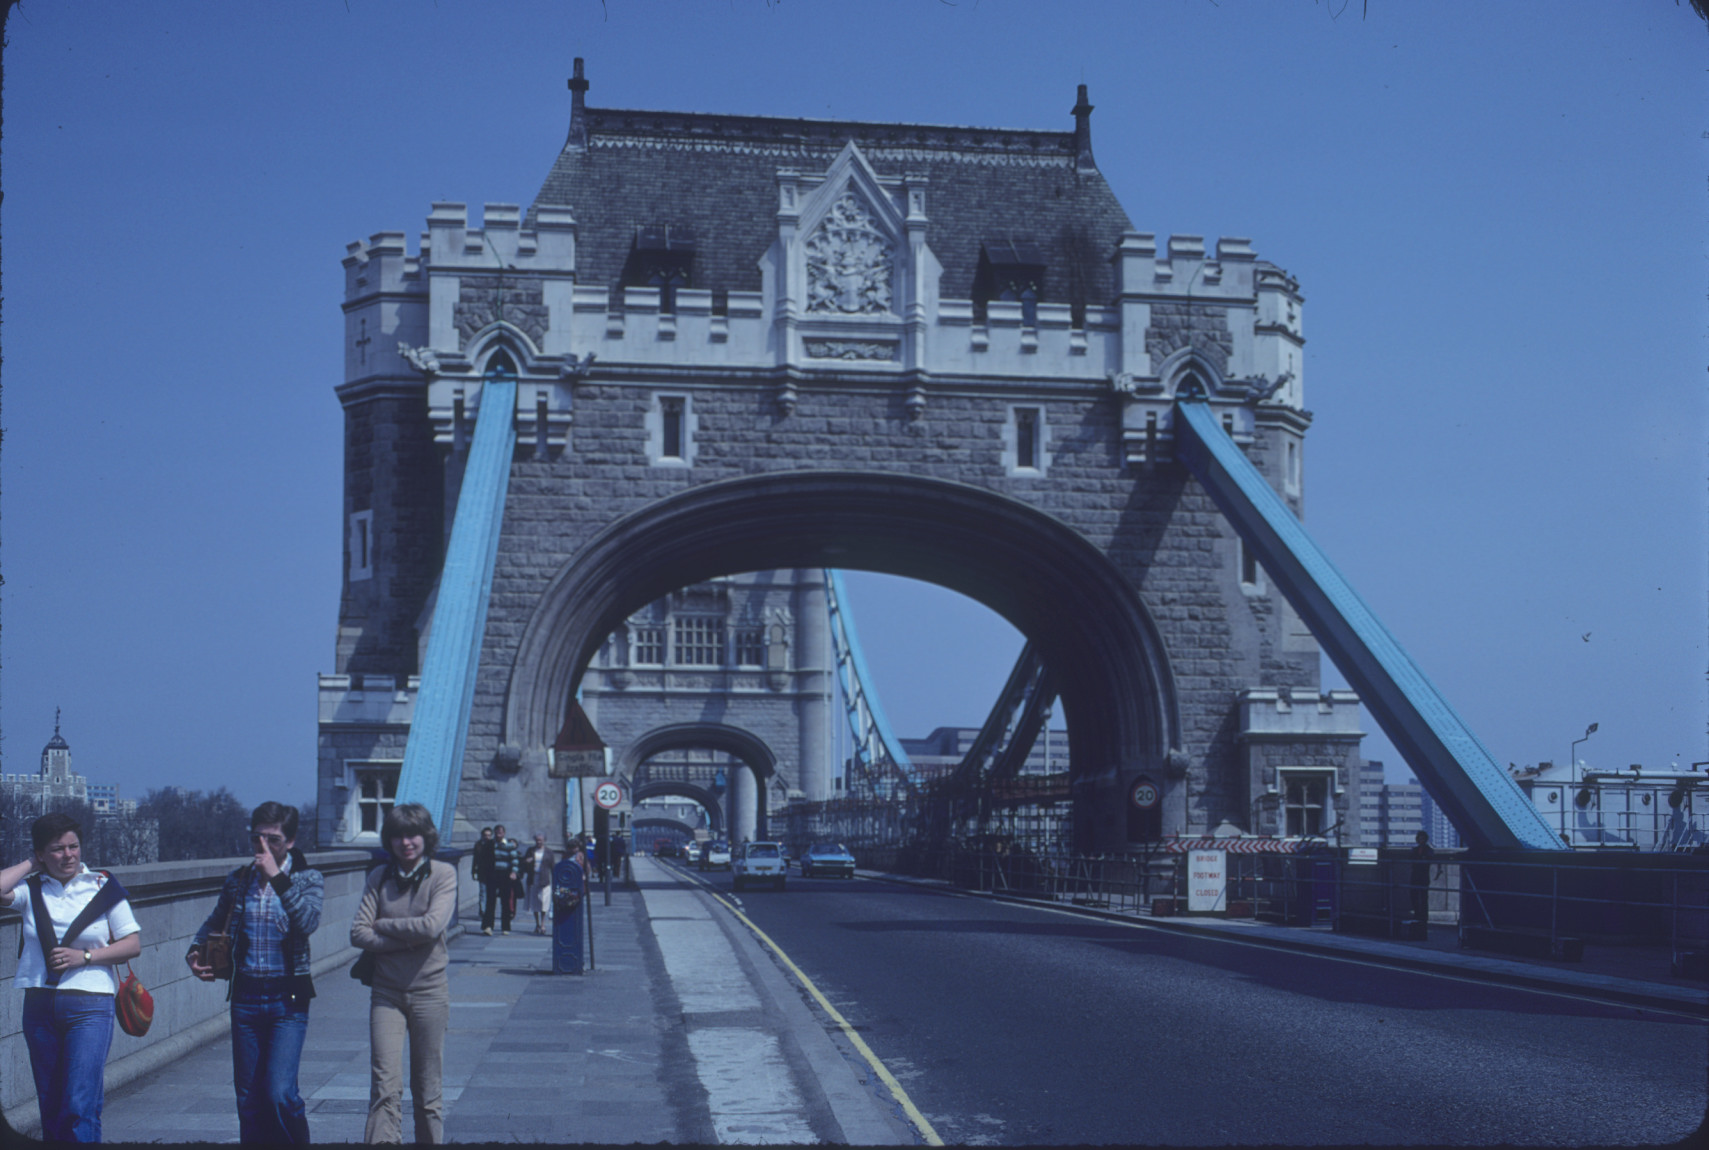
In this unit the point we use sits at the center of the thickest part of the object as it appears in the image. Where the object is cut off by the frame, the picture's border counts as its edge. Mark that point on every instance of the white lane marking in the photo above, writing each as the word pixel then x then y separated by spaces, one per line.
pixel 752 1097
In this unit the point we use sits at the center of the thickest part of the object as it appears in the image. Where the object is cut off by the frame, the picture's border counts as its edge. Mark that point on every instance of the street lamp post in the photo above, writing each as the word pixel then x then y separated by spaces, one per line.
pixel 1572 755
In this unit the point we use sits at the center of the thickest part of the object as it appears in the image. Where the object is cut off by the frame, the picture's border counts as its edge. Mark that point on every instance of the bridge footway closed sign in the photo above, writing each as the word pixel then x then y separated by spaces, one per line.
pixel 1207 881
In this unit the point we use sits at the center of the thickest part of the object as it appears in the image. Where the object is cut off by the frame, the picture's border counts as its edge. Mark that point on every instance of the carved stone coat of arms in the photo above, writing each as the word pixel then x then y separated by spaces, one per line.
pixel 848 262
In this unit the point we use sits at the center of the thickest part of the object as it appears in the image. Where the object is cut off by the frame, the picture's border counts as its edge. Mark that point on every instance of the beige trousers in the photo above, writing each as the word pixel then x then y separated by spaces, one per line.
pixel 423 1016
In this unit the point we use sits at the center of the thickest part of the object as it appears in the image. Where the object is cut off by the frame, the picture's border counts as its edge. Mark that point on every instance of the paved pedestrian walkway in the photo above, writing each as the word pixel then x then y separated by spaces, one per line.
pixel 683 1031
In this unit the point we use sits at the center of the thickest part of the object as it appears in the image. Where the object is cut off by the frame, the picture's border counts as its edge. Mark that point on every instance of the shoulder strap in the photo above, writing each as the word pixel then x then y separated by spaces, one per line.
pixel 104 900
pixel 44 928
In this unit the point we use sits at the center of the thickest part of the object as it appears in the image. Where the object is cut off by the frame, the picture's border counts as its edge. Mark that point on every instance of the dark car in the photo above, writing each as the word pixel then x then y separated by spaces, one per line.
pixel 664 850
pixel 827 858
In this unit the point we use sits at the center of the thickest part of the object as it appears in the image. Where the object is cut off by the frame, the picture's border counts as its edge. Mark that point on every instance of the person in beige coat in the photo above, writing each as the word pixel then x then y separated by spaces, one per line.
pixel 405 910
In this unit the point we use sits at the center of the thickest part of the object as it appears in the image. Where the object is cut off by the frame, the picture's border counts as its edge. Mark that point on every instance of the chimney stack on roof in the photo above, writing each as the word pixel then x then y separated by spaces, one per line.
pixel 578 108
pixel 1083 134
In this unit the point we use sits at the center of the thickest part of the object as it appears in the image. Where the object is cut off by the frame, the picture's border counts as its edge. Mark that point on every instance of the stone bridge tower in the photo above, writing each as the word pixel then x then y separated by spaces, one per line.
pixel 747 344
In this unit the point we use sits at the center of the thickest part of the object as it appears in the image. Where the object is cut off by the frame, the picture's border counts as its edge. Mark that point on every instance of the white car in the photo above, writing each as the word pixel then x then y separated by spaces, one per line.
pixel 715 855
pixel 759 862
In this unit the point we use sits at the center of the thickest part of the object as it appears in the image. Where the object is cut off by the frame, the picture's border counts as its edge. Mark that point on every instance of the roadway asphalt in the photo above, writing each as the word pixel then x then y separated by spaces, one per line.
pixel 1003 1024
pixel 1012 1023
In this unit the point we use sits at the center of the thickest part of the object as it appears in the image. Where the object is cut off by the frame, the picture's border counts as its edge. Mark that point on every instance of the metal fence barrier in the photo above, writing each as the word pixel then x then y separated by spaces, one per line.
pixel 1546 907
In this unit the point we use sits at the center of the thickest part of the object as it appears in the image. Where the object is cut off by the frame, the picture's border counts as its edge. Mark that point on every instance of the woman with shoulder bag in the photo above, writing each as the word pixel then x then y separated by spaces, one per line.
pixel 77 926
pixel 406 908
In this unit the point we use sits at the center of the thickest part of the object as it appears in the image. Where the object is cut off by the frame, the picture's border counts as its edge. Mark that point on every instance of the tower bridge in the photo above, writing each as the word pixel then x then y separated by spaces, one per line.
pixel 604 446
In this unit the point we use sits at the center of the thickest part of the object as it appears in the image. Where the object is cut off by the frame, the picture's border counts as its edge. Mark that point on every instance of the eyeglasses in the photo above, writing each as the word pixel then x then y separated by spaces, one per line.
pixel 274 840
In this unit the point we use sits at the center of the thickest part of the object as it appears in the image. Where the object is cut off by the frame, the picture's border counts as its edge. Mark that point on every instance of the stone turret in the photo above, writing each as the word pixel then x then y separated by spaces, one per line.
pixel 56 756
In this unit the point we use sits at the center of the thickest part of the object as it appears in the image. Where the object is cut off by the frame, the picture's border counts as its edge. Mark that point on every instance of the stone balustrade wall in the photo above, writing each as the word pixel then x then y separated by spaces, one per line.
pixel 171 901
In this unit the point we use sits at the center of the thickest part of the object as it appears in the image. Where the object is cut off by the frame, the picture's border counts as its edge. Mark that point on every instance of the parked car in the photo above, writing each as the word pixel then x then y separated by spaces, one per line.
pixel 691 853
pixel 716 855
pixel 827 858
pixel 759 862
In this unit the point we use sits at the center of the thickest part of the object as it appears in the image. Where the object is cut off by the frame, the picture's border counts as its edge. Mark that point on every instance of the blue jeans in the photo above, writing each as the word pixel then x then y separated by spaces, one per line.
pixel 267 1032
pixel 69 1035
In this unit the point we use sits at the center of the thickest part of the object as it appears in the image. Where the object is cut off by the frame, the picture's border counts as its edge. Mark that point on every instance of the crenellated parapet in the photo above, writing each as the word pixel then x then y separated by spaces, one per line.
pixel 368 699
pixel 1291 713
pixel 1218 323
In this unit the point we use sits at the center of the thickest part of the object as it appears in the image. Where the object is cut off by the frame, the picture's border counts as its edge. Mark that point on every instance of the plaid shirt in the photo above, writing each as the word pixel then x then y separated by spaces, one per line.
pixel 273 929
pixel 265 925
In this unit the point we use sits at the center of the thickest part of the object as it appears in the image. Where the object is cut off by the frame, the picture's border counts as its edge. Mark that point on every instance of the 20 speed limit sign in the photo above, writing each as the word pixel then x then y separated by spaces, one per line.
pixel 608 795
pixel 1145 794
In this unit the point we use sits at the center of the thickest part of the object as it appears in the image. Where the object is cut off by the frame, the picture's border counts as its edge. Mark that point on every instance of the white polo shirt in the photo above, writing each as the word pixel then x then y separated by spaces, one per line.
pixel 63 904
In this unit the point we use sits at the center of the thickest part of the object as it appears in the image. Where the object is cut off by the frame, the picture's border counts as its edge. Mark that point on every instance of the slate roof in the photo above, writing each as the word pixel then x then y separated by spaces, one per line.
pixel 718 175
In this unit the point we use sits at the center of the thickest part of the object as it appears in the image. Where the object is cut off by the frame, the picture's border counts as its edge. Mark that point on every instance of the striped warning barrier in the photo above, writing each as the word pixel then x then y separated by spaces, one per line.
pixel 1243 846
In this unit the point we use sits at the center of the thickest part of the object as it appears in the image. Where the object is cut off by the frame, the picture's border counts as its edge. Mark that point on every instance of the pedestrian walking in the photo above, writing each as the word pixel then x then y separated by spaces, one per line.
pixel 1421 854
pixel 77 927
pixel 406 907
pixel 481 864
pixel 266 911
pixel 501 891
pixel 537 866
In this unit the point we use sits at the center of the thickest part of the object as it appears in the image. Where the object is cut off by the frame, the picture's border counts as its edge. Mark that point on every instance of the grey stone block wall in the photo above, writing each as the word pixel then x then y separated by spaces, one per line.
pixel 1152 521
pixel 391 467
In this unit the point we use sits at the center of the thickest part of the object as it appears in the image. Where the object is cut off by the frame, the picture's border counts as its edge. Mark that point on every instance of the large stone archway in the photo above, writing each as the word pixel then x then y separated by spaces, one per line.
pixel 684 790
pixel 1044 578
pixel 675 828
pixel 743 811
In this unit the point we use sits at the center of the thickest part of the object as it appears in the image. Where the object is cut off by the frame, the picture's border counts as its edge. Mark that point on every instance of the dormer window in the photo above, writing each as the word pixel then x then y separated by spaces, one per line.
pixel 663 258
pixel 1011 270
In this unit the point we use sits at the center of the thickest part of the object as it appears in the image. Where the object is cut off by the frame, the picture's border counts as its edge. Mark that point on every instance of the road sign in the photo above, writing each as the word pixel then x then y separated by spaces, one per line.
pixel 608 795
pixel 1144 794
pixel 1207 881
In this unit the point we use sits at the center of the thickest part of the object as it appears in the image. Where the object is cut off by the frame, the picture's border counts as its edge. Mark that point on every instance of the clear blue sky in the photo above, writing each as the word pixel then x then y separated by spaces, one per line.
pixel 1496 212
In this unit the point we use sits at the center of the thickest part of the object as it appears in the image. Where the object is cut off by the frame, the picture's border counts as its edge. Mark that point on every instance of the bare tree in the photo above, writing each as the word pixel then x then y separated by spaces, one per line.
pixel 194 825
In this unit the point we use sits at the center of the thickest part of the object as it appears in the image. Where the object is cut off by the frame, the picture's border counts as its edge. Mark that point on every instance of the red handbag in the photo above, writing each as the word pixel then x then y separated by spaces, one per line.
pixel 134 1005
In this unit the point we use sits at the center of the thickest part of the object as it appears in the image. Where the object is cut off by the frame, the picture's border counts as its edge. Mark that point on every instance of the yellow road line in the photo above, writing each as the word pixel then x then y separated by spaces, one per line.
pixel 929 1135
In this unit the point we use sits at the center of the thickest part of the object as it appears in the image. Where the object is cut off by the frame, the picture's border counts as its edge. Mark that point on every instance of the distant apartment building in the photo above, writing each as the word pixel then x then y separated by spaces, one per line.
pixel 1403 813
pixel 104 800
pixel 1392 814
pixel 942 750
pixel 1444 835
pixel 1368 821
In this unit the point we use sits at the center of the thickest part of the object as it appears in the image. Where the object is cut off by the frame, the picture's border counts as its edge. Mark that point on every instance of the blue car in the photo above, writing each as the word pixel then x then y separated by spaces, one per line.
pixel 827 859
